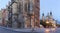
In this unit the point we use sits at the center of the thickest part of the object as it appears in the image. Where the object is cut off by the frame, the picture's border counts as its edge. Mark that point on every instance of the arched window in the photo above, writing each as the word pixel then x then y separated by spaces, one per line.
pixel 30 7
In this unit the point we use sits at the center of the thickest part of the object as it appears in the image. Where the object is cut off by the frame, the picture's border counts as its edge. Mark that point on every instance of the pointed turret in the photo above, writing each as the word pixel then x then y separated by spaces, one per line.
pixel 43 14
pixel 50 13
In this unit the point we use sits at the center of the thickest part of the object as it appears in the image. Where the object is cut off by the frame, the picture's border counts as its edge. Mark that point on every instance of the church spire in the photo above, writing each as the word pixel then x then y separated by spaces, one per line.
pixel 50 13
pixel 43 14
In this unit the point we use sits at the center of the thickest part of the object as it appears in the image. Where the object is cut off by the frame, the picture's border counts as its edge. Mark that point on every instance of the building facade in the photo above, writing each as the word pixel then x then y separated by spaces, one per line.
pixel 0 17
pixel 25 13
pixel 4 17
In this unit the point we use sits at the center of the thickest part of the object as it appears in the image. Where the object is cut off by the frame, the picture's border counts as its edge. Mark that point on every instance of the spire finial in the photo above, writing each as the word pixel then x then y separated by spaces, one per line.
pixel 50 13
pixel 42 14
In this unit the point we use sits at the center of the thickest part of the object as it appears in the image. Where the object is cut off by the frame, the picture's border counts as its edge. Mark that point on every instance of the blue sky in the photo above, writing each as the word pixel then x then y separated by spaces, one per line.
pixel 3 3
pixel 45 7
pixel 50 5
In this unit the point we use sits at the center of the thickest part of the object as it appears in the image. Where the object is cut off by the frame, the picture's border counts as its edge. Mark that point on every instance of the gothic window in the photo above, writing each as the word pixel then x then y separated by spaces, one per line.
pixel 19 8
pixel 26 7
pixel 30 7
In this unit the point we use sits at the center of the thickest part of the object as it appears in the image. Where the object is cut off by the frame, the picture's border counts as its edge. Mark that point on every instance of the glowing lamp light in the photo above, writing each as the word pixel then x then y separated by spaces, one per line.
pixel 47 22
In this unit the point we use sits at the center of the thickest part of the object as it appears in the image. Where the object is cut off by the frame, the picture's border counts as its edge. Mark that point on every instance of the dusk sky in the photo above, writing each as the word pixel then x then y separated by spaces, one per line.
pixel 45 7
